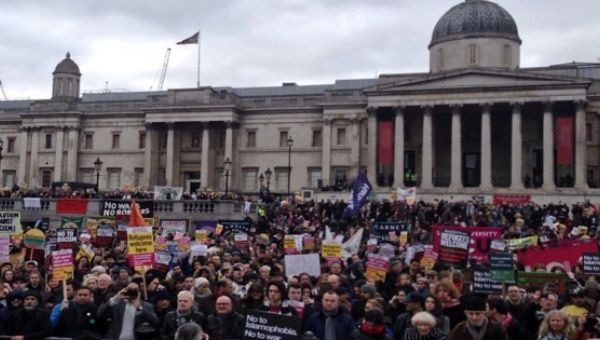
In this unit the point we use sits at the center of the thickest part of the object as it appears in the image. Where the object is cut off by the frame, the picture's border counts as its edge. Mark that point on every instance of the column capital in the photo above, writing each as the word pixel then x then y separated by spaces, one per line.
pixel 427 109
pixel 228 124
pixel 399 109
pixel 548 105
pixel 516 107
pixel 170 125
pixel 24 129
pixel 486 107
pixel 327 120
pixel 372 110
pixel 456 108
pixel 580 105
pixel 355 120
pixel 148 126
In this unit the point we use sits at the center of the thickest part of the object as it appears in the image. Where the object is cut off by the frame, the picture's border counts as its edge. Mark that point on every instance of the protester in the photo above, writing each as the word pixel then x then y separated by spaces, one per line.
pixel 424 327
pixel 556 326
pixel 330 322
pixel 372 327
pixel 225 323
pixel 78 319
pixel 477 326
pixel 30 322
pixel 182 315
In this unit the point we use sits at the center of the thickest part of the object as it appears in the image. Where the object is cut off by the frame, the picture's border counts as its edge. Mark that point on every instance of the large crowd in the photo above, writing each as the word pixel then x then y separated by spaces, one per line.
pixel 208 297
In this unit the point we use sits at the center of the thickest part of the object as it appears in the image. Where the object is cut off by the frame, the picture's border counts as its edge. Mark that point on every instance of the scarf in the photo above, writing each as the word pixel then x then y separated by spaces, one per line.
pixel 477 335
pixel 506 321
pixel 330 324
pixel 371 330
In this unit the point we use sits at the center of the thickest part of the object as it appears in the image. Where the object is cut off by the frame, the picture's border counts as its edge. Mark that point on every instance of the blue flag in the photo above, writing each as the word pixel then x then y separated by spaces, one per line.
pixel 361 188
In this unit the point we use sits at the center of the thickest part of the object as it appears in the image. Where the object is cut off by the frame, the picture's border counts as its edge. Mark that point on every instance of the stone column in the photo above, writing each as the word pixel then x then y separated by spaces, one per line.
pixel 580 146
pixel 326 153
pixel 34 160
pixel 486 148
pixel 170 153
pixel 427 151
pixel 516 167
pixel 205 156
pixel 456 150
pixel 149 163
pixel 58 158
pixel 372 140
pixel 72 153
pixel 548 143
pixel 229 154
pixel 23 139
pixel 399 148
pixel 355 147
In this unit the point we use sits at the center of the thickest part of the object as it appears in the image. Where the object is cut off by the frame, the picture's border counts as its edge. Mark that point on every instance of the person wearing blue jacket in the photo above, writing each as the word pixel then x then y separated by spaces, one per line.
pixel 331 322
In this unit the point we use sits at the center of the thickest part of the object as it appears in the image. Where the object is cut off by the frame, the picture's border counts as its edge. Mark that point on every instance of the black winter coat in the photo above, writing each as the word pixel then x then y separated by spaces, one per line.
pixel 232 328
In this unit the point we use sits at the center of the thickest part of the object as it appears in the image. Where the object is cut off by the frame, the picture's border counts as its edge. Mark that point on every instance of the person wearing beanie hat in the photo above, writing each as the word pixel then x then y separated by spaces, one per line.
pixel 31 321
pixel 477 326
pixel 415 303
pixel 162 304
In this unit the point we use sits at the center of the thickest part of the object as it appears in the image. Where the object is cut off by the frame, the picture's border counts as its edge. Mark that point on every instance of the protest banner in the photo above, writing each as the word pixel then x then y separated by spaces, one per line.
pixel 71 222
pixel 539 279
pixel 409 196
pixel 454 248
pixel 235 226
pixel 501 267
pixel 289 245
pixel 263 325
pixel 34 239
pixel 500 199
pixel 10 223
pixel 382 230
pixel 376 267
pixel 308 242
pixel 198 249
pixel 361 188
pixel 591 263
pixel 4 249
pixel 172 226
pixel 331 250
pixel 428 259
pixel 240 240
pixel 564 254
pixel 201 236
pixel 207 225
pixel 140 246
pixel 498 246
pixel 85 250
pixel 165 193
pixel 298 264
pixel 162 261
pixel 62 264
pixel 414 251
pixel 77 206
pixel 116 208
pixel 483 282
pixel 480 241
pixel 104 235
pixel 521 243
pixel 352 246
pixel 65 237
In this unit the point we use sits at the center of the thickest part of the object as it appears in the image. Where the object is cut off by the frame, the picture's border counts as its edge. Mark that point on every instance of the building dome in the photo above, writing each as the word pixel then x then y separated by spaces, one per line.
pixel 475 19
pixel 67 65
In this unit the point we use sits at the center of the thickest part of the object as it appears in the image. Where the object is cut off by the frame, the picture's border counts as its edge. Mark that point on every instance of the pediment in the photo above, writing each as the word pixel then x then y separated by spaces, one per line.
pixel 478 80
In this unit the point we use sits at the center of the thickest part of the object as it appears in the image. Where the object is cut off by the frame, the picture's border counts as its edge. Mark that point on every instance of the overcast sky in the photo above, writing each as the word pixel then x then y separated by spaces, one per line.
pixel 256 42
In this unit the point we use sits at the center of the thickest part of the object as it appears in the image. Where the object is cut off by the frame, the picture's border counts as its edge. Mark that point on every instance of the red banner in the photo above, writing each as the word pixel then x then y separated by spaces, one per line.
pixel 564 255
pixel 385 141
pixel 479 245
pixel 71 206
pixel 564 140
pixel 510 198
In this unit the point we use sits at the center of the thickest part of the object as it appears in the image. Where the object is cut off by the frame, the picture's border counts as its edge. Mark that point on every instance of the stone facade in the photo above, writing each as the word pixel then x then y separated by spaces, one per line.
pixel 462 128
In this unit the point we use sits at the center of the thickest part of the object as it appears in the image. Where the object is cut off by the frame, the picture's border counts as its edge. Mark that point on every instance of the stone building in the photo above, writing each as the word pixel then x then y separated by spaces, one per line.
pixel 476 122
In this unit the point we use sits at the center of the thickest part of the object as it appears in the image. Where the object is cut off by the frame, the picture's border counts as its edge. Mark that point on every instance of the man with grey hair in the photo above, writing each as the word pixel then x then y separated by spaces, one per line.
pixel 31 321
pixel 184 314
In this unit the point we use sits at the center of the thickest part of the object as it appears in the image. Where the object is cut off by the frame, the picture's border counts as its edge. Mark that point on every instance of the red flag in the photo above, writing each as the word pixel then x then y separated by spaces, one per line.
pixel 191 40
pixel 71 206
pixel 564 140
pixel 136 219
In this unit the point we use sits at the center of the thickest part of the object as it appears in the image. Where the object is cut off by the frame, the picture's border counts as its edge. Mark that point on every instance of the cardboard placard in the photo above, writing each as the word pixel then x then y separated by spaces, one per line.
pixel 454 248
pixel 263 325
pixel 591 263
pixel 501 267
pixel 298 264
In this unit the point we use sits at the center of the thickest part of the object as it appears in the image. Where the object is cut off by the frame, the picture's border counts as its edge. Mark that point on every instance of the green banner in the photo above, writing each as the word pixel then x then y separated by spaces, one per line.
pixel 71 222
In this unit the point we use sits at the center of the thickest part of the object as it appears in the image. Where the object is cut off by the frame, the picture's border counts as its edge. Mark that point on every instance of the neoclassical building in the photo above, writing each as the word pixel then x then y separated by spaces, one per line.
pixel 476 122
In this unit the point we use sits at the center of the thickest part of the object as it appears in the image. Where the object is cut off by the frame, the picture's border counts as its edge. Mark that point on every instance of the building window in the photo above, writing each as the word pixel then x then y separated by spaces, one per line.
pixel 440 59
pixel 11 145
pixel 315 177
pixel 251 139
pixel 48 141
pixel 588 132
pixel 87 175
pixel 472 54
pixel 46 178
pixel 139 177
pixel 142 140
pixel 8 178
pixel 341 136
pixel 506 55
pixel 250 179
pixel 340 176
pixel 114 178
pixel 283 137
pixel 116 141
pixel 281 179
pixel 89 141
pixel 317 138
pixel 195 143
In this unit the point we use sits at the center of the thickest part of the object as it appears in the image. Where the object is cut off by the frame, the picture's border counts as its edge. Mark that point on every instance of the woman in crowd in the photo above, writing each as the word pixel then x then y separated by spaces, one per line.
pixel 556 326
pixel 435 308
pixel 424 328
pixel 448 295
pixel 255 298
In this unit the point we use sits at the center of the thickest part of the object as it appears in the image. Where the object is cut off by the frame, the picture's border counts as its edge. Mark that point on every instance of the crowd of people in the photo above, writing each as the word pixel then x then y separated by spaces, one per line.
pixel 208 297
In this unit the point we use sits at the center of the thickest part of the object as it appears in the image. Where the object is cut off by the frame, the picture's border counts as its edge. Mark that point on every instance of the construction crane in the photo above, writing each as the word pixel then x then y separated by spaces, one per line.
pixel 163 71
pixel 3 92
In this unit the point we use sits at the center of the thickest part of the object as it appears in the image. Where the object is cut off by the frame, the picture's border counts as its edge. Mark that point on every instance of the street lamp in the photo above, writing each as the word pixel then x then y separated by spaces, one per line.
pixel 268 174
pixel 98 166
pixel 261 179
pixel 290 142
pixel 227 168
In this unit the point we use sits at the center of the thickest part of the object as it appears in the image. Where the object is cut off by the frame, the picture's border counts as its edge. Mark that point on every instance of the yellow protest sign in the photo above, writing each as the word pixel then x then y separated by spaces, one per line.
pixel 331 250
pixel 62 264
pixel 140 240
pixel 201 236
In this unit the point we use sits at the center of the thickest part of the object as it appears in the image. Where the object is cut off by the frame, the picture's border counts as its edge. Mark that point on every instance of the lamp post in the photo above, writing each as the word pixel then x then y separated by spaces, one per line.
pixel 227 168
pixel 268 174
pixel 290 142
pixel 1 148
pixel 97 166
pixel 261 180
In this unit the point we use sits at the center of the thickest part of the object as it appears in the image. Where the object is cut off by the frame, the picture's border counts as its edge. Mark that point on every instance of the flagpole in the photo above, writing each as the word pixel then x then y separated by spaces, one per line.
pixel 198 79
